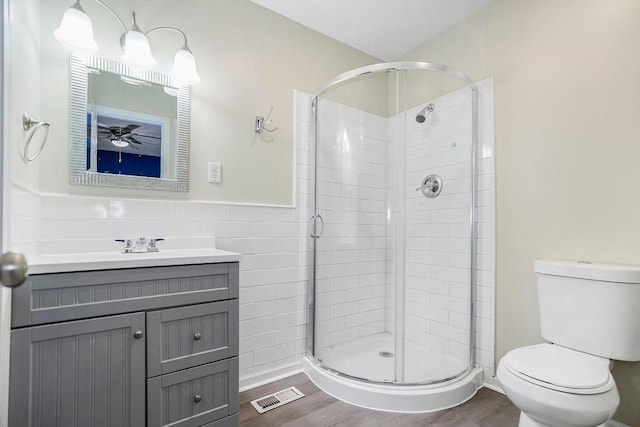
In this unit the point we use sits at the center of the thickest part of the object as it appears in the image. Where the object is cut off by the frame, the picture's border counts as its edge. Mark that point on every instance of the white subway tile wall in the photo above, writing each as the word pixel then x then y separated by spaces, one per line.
pixel 274 244
pixel 351 254
pixel 484 275
pixel 438 261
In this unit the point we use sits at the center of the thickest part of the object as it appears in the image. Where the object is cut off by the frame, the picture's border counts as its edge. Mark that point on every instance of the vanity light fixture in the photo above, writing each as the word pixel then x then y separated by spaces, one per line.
pixel 76 33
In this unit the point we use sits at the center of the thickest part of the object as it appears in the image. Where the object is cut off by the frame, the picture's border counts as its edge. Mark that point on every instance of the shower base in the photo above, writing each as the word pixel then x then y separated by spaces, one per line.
pixel 372 358
pixel 362 358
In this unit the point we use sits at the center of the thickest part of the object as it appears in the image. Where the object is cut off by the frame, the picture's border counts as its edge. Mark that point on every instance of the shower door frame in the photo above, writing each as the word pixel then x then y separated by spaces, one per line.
pixel 313 223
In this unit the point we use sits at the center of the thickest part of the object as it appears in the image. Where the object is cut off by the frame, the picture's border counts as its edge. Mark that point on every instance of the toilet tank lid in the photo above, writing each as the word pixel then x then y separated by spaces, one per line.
pixel 588 270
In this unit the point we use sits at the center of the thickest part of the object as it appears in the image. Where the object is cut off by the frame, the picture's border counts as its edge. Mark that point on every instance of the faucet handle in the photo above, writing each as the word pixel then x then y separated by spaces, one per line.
pixel 151 247
pixel 128 245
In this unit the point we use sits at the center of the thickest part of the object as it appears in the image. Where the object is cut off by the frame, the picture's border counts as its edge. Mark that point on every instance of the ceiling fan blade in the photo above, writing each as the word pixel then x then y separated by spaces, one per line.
pixel 146 136
pixel 129 138
pixel 131 127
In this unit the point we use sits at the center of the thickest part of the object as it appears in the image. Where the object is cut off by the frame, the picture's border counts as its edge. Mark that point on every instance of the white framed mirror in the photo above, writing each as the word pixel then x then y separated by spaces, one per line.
pixel 129 128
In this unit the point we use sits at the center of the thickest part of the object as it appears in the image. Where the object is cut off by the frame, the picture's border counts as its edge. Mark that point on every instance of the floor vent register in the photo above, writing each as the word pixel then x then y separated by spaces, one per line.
pixel 275 400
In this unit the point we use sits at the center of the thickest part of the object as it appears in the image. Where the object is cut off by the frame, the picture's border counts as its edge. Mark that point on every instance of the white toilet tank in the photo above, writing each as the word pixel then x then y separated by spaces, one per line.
pixel 589 307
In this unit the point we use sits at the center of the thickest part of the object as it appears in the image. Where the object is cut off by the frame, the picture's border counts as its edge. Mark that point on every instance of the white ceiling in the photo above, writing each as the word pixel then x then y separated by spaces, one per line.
pixel 385 29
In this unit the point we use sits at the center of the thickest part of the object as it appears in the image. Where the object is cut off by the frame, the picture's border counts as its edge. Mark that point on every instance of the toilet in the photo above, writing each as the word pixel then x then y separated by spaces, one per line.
pixel 590 314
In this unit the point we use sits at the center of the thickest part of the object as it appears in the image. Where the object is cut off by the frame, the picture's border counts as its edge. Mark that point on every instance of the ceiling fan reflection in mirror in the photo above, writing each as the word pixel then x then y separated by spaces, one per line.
pixel 114 131
pixel 124 136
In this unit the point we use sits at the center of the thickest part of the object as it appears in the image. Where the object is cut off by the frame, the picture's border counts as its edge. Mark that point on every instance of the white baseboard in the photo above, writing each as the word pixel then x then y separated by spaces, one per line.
pixel 494 388
pixel 492 384
pixel 256 380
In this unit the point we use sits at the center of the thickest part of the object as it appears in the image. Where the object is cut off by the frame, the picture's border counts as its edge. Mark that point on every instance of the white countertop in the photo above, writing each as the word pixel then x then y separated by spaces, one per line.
pixel 59 263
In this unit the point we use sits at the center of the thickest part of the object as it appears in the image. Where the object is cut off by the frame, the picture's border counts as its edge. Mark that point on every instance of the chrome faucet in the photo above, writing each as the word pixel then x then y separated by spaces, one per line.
pixel 141 244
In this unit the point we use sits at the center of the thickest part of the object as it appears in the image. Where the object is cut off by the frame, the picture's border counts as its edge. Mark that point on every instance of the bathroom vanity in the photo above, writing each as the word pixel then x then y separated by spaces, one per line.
pixel 126 340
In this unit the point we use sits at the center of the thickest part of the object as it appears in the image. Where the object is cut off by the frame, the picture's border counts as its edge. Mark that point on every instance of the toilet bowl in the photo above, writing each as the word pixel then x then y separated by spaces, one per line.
pixel 588 312
pixel 555 386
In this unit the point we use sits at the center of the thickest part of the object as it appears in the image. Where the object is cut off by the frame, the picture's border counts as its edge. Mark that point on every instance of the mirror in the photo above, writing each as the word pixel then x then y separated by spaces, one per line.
pixel 129 127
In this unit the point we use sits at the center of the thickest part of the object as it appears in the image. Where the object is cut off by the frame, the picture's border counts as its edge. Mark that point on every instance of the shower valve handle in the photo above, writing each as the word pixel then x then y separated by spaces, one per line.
pixel 431 186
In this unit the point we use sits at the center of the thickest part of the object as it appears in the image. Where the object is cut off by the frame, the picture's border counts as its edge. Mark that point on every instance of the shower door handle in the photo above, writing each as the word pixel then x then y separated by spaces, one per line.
pixel 318 235
pixel 314 227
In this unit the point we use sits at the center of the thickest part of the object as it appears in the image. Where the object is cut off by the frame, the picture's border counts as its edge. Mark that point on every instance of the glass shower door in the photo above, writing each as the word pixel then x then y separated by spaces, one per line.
pixel 353 331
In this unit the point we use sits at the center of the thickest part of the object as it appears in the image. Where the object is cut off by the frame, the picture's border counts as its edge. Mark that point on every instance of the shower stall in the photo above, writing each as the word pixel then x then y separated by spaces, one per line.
pixel 392 237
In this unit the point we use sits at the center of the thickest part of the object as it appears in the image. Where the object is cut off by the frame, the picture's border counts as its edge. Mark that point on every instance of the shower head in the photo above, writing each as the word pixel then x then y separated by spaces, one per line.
pixel 420 117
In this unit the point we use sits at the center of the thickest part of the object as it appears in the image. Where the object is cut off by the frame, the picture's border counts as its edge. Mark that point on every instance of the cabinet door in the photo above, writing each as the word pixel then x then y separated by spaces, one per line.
pixel 81 373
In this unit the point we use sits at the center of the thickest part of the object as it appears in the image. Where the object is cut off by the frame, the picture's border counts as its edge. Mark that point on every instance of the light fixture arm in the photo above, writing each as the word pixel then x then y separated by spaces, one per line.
pixel 177 30
pixel 115 15
pixel 184 66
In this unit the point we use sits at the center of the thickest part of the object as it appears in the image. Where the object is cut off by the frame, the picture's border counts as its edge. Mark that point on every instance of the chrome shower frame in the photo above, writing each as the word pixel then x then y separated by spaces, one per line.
pixel 312 240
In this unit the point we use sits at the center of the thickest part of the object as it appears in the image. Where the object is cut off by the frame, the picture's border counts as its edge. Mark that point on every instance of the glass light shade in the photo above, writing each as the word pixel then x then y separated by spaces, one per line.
pixel 119 143
pixel 184 68
pixel 137 52
pixel 75 31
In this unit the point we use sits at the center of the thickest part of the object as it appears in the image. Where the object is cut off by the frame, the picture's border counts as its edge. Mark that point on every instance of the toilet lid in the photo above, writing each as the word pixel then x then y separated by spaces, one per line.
pixel 559 366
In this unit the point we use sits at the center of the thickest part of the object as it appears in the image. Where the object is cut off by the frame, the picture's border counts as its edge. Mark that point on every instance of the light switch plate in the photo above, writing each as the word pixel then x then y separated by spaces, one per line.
pixel 215 172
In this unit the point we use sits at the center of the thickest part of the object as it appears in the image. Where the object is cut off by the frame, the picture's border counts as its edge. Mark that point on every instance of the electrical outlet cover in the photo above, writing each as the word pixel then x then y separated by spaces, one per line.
pixel 215 172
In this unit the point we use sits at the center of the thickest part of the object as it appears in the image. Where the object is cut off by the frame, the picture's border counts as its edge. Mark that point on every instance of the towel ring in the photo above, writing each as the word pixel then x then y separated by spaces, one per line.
pixel 30 124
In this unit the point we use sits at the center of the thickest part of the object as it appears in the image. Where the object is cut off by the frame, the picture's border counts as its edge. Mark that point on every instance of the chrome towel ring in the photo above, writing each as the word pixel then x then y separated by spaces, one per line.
pixel 30 124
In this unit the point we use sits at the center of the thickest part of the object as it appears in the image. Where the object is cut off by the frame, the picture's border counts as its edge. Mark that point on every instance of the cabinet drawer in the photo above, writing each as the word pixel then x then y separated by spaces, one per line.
pixel 180 338
pixel 55 297
pixel 194 396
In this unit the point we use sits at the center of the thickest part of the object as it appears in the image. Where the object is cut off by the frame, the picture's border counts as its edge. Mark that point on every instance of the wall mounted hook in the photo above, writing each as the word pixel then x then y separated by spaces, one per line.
pixel 261 122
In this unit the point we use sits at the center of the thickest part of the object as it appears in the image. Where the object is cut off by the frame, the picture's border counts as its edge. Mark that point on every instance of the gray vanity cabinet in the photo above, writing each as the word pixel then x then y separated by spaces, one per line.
pixel 81 373
pixel 150 346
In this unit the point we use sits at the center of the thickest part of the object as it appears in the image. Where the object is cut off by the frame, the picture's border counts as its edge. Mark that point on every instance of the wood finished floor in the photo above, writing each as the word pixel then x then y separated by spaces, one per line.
pixel 486 409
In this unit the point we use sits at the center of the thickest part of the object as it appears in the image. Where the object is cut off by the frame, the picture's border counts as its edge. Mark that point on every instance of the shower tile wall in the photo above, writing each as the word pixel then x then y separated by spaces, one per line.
pixel 437 256
pixel 351 252
pixel 484 275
